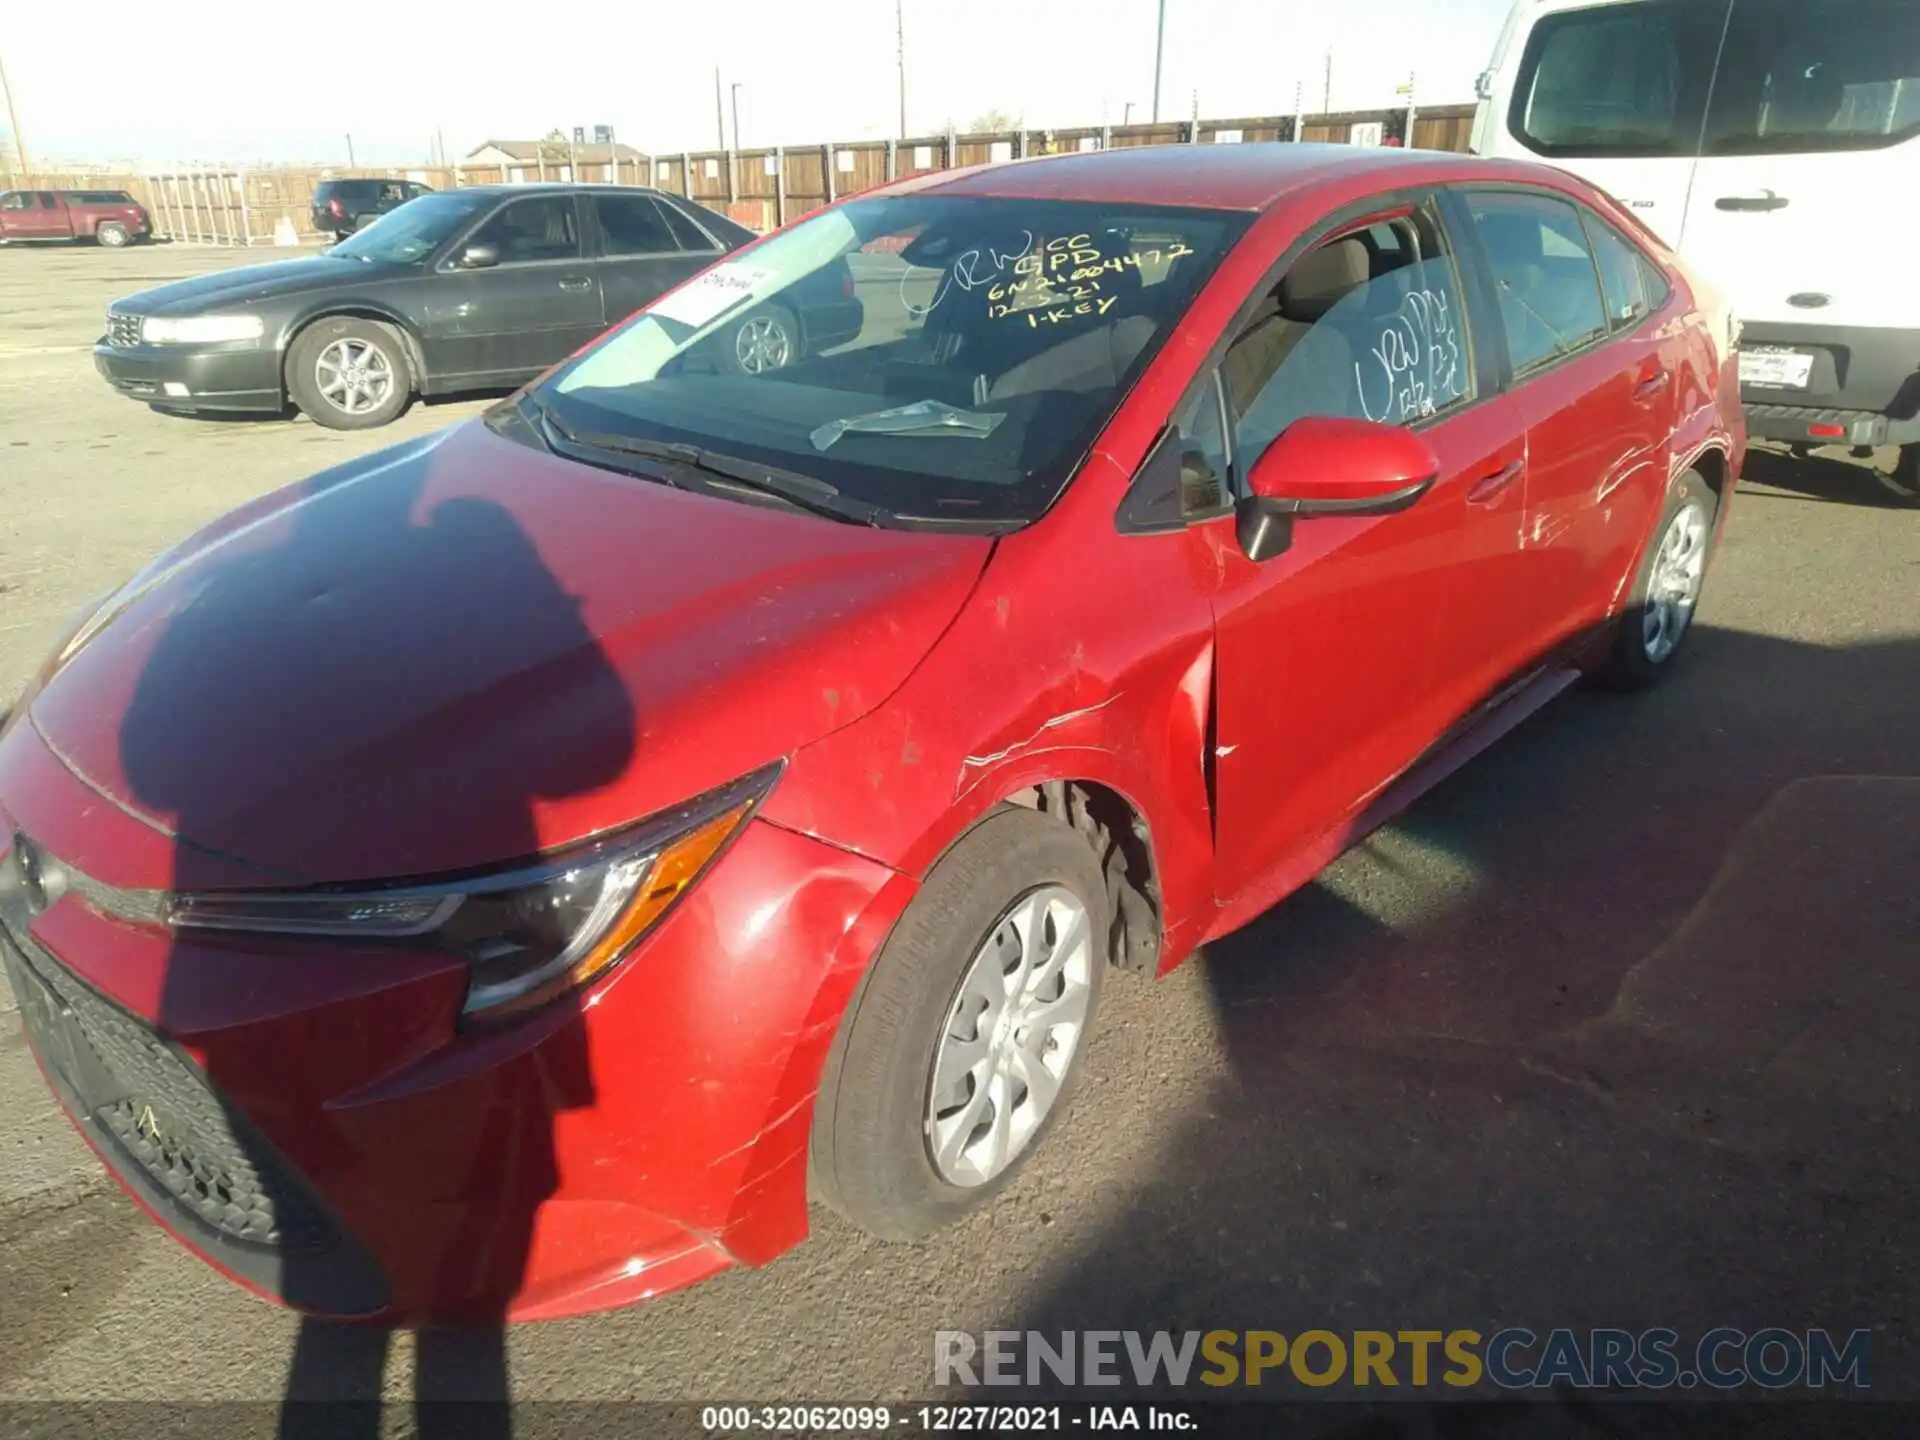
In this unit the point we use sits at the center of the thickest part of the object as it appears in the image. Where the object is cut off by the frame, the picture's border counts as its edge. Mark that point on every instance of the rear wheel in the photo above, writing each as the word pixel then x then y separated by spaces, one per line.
pixel 1904 481
pixel 963 1044
pixel 768 339
pixel 111 234
pixel 349 374
pixel 1666 591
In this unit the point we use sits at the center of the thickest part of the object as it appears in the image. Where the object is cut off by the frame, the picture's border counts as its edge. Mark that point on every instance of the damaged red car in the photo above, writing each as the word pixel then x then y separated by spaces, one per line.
pixel 515 872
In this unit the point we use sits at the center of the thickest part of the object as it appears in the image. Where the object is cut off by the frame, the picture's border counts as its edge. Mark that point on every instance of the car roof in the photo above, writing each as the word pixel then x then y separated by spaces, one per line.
pixel 1216 177
pixel 552 187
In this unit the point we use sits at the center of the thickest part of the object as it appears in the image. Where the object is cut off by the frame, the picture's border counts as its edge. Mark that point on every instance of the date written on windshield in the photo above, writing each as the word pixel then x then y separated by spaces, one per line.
pixel 1063 278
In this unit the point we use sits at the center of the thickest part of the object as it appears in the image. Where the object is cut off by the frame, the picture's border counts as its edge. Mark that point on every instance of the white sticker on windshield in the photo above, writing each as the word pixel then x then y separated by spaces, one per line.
pixel 713 293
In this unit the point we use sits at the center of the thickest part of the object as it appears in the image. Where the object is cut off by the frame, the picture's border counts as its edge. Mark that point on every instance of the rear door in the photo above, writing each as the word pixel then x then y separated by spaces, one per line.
pixel 537 305
pixel 1809 181
pixel 640 255
pixel 1615 93
pixel 1597 382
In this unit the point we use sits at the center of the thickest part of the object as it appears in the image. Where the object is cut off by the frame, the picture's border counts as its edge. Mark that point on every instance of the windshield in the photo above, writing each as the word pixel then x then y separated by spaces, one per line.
pixel 939 357
pixel 412 231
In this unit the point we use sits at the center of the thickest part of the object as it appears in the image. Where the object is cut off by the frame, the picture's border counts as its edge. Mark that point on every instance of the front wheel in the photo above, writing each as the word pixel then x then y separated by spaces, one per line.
pixel 349 374
pixel 1666 591
pixel 963 1044
pixel 1904 481
pixel 111 235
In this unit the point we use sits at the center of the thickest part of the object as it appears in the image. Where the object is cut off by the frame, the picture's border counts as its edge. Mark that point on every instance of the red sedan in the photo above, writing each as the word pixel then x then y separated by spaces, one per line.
pixel 509 874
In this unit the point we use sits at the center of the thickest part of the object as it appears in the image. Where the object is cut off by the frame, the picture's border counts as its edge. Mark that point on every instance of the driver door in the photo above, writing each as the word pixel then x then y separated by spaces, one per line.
pixel 1342 660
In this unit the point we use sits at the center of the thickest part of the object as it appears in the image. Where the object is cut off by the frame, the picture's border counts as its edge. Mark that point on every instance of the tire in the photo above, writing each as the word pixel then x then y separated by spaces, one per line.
pixel 1904 483
pixel 765 340
pixel 336 368
pixel 875 1130
pixel 111 234
pixel 1646 642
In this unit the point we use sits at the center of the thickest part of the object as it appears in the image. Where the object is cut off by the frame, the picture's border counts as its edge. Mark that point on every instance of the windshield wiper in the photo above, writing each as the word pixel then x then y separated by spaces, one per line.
pixel 804 492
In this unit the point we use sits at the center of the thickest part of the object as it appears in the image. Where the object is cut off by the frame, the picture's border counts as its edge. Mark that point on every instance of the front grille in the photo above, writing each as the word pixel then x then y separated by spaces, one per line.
pixel 122 329
pixel 157 1114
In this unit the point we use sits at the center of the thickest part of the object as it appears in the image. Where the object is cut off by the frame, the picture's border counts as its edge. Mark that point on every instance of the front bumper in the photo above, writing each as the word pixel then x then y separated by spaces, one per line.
pixel 225 377
pixel 327 1136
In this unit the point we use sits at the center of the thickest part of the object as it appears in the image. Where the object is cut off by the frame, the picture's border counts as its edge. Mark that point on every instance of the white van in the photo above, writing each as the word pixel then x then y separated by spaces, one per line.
pixel 1776 145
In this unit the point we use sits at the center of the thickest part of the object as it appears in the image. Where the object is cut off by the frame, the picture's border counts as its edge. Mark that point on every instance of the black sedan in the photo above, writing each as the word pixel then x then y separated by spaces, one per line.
pixel 473 289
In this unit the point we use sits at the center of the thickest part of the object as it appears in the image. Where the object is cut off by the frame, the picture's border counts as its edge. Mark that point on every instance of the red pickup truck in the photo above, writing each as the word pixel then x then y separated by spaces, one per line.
pixel 111 217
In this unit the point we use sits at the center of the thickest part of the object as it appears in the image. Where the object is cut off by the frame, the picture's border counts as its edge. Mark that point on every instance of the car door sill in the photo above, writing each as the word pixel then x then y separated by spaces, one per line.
pixel 1464 742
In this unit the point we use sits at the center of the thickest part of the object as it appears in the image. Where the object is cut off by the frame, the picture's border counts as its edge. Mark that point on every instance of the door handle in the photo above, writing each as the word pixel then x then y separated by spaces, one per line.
pixel 1489 488
pixel 1765 200
pixel 576 282
pixel 1649 390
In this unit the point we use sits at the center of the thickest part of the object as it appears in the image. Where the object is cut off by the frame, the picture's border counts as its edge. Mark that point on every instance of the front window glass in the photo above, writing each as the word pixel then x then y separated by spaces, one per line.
pixel 1812 75
pixel 937 356
pixel 541 228
pixel 1369 326
pixel 413 231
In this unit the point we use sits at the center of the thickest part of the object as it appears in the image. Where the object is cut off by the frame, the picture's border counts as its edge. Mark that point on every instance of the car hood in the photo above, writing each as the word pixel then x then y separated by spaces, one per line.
pixel 253 282
pixel 462 651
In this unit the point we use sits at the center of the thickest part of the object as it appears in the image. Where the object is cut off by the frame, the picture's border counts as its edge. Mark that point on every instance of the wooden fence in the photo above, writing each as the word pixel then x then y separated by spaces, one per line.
pixel 762 189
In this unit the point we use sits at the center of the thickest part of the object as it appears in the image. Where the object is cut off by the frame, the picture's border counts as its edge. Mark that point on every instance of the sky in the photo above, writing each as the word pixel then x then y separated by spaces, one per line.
pixel 205 80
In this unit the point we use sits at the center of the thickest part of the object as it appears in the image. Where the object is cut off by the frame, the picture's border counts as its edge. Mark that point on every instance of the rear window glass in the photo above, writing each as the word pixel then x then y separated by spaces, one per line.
pixel 345 188
pixel 1618 79
pixel 1812 75
pixel 99 197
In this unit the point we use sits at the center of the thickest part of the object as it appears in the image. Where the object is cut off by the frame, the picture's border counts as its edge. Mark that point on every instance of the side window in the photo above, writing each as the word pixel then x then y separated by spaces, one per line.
pixel 1203 453
pixel 1810 75
pixel 392 194
pixel 1357 330
pixel 1550 302
pixel 632 225
pixel 48 200
pixel 539 228
pixel 1624 275
pixel 416 190
pixel 686 234
pixel 17 200
pixel 1617 79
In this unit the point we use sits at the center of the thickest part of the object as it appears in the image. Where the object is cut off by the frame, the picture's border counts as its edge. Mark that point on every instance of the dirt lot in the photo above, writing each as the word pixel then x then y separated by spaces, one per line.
pixel 1617 1028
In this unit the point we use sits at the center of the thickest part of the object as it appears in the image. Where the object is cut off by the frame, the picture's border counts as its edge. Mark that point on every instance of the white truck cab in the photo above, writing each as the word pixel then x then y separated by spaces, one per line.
pixel 1776 145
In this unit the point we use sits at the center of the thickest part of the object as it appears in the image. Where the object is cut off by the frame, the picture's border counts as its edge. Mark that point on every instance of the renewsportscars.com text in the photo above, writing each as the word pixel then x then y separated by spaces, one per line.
pixel 1513 1359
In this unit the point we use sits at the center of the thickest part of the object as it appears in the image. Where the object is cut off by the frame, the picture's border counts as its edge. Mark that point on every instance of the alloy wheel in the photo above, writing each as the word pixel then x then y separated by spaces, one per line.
pixel 354 376
pixel 1010 1037
pixel 762 344
pixel 1673 589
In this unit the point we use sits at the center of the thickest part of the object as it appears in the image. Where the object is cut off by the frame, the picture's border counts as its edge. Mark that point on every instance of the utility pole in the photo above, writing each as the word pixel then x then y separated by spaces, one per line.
pixel 1126 114
pixel 350 164
pixel 1159 53
pixel 13 122
pixel 1326 100
pixel 736 114
pixel 719 110
pixel 900 55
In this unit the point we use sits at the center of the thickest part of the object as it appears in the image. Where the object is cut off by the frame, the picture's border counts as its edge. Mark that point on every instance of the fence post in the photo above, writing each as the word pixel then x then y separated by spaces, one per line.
pixel 686 174
pixel 893 159
pixel 953 151
pixel 826 170
pixel 246 212
pixel 779 187
pixel 733 176
pixel 1106 137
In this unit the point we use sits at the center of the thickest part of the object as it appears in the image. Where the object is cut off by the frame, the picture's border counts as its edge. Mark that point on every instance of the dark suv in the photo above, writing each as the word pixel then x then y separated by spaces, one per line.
pixel 341 207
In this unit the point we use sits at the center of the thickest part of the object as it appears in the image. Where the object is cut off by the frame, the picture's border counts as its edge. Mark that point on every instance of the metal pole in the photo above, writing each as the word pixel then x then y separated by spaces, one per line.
pixel 1326 102
pixel 826 170
pixel 900 56
pixel 779 187
pixel 1126 115
pixel 1159 53
pixel 1412 113
pixel 1299 115
pixel 686 174
pixel 735 97
pixel 893 160
pixel 13 123
pixel 733 157
pixel 246 212
pixel 350 150
pixel 719 113
pixel 573 163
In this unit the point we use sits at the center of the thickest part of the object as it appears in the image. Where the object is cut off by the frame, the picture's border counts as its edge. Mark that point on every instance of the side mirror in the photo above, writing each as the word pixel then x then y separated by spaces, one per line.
pixel 1326 466
pixel 479 257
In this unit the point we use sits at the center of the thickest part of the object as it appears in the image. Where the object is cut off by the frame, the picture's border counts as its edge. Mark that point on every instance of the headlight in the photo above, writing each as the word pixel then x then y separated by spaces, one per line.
pixel 529 935
pixel 200 329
